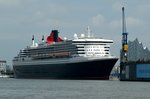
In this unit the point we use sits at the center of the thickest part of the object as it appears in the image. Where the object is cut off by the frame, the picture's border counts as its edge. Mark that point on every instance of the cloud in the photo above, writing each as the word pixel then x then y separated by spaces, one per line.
pixel 142 10
pixel 115 24
pixel 9 2
pixel 133 22
pixel 23 19
pixel 117 6
pixel 98 20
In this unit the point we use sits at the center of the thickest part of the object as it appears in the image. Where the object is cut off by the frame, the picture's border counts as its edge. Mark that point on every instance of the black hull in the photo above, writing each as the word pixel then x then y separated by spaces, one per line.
pixel 97 69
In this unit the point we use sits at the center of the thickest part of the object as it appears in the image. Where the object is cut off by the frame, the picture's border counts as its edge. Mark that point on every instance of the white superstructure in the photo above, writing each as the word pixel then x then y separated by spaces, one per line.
pixel 92 47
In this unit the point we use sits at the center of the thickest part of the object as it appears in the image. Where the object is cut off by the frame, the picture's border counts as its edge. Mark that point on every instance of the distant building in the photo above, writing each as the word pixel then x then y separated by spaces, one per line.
pixel 137 52
pixel 138 66
pixel 3 66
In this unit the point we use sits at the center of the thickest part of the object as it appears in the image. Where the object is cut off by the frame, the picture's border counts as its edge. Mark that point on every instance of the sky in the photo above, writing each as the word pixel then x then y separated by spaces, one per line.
pixel 20 19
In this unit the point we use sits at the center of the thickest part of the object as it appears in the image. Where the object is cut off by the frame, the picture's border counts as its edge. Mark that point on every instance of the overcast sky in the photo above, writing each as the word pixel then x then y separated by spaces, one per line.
pixel 20 19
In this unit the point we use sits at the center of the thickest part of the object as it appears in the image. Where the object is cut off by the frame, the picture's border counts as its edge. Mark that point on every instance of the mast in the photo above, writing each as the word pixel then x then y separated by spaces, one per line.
pixel 42 38
pixel 89 31
pixel 33 43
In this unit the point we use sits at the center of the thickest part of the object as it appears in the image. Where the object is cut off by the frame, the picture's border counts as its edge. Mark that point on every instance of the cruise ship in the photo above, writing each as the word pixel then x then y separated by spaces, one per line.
pixel 84 57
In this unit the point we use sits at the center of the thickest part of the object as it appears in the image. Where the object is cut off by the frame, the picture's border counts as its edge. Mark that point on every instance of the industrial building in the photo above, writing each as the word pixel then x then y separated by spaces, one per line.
pixel 3 66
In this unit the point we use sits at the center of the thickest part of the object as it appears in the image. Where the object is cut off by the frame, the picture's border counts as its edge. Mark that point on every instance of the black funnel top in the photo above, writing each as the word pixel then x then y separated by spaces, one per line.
pixel 55 35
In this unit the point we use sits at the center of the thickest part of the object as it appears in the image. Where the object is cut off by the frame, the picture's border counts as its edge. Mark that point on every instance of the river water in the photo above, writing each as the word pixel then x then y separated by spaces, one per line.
pixel 11 88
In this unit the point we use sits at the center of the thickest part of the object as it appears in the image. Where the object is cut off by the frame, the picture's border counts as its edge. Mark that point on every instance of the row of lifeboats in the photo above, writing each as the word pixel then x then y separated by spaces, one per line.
pixel 51 55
